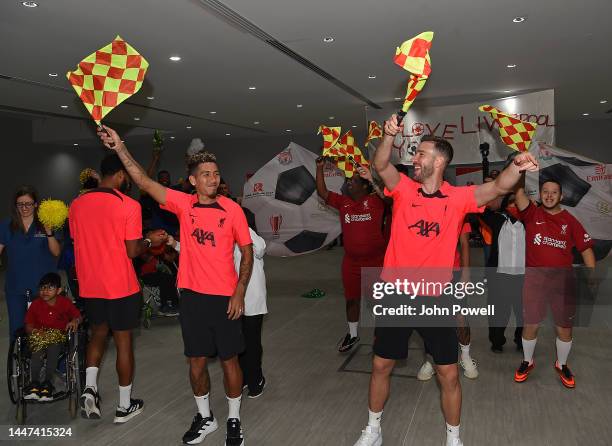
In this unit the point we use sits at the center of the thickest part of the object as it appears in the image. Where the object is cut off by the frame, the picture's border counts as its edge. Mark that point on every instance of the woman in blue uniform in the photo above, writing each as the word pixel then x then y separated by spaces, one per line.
pixel 31 251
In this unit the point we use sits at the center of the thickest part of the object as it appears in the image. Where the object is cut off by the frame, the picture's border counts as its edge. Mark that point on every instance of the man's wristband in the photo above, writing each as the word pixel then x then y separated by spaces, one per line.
pixel 50 235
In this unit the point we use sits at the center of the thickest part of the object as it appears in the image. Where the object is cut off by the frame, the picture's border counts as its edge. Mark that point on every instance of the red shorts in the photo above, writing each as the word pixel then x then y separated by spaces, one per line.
pixel 351 273
pixel 554 287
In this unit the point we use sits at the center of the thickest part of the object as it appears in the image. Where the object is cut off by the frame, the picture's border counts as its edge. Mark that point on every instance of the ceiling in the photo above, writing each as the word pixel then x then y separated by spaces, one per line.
pixel 223 47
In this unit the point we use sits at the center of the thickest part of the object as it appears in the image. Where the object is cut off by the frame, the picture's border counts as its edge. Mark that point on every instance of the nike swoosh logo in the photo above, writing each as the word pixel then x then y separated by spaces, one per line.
pixel 540 222
pixel 415 205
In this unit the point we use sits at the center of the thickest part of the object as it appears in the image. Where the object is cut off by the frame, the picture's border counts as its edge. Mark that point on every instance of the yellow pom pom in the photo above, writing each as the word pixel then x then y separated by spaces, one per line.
pixel 42 338
pixel 53 213
pixel 85 174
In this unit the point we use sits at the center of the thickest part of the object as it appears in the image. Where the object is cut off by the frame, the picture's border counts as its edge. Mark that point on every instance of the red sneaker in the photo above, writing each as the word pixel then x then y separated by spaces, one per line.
pixel 567 378
pixel 522 372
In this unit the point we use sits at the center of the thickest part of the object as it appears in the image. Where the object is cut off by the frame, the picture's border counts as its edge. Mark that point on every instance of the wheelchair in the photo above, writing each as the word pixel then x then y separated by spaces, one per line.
pixel 151 298
pixel 19 374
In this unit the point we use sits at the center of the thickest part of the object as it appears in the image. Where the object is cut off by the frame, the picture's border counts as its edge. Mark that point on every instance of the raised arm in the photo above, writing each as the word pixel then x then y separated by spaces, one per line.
pixel 382 158
pixel 135 170
pixel 507 179
pixel 321 187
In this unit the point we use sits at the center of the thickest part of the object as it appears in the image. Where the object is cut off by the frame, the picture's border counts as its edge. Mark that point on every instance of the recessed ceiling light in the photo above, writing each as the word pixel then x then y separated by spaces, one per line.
pixel 175 58
pixel 372 76
pixel 228 134
pixel 603 101
pixel 188 127
pixel 332 117
pixel 52 74
pixel 213 112
pixel 585 114
pixel 172 137
pixel 150 98
pixel 75 144
pixel 63 106
pixel 29 4
pixel 398 99
pixel 288 130
pixel 519 19
pixel 511 65
pixel 252 88
pixel 299 106
pixel 328 39
pixel 354 126
pixel 507 91
pixel 137 119
pixel 256 122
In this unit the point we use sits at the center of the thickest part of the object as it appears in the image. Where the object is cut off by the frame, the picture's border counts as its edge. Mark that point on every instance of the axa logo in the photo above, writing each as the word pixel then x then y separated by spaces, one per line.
pixel 537 240
pixel 424 228
pixel 563 229
pixel 202 237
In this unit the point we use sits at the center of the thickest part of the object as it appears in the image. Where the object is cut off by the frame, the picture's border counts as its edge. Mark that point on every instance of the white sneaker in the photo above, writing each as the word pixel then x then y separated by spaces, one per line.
pixel 470 369
pixel 453 441
pixel 426 372
pixel 370 436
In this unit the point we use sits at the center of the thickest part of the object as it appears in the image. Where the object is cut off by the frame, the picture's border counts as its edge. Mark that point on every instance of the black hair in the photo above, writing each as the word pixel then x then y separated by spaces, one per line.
pixel 193 161
pixel 90 183
pixel 110 165
pixel 16 223
pixel 51 279
pixel 441 145
pixel 551 180
pixel 162 172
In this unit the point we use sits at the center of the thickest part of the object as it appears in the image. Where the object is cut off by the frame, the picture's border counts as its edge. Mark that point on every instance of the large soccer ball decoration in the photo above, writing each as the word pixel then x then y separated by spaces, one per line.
pixel 282 199
pixel 587 190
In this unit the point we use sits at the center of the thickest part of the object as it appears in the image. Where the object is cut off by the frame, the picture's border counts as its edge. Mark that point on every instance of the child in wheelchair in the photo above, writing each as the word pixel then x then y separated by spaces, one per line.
pixel 49 317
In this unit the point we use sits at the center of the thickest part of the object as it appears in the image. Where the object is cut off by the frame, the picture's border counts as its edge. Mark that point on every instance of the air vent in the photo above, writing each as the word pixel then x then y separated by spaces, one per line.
pixel 233 18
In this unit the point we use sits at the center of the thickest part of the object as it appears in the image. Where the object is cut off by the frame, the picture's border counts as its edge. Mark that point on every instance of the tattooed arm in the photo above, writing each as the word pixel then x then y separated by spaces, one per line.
pixel 111 139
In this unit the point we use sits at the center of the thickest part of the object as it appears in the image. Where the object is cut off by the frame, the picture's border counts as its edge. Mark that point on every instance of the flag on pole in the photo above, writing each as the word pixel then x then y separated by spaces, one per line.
pixel 374 132
pixel 415 85
pixel 107 77
pixel 350 156
pixel 413 54
pixel 330 138
pixel 515 133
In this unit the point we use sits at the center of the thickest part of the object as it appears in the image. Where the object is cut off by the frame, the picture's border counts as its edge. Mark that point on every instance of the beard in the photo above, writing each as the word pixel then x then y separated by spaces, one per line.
pixel 426 170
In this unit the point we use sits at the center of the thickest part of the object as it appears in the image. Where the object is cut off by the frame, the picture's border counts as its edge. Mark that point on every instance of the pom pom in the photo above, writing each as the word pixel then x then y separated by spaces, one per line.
pixel 53 213
pixel 196 146
pixel 42 338
pixel 85 174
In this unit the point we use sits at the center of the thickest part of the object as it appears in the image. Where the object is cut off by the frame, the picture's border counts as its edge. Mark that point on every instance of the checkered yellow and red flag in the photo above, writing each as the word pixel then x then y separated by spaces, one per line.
pixel 349 155
pixel 330 138
pixel 415 85
pixel 374 131
pixel 107 77
pixel 515 133
pixel 413 54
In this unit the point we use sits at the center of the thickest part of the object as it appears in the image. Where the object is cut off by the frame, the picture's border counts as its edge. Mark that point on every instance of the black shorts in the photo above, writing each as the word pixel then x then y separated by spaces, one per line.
pixel 440 342
pixel 207 331
pixel 119 314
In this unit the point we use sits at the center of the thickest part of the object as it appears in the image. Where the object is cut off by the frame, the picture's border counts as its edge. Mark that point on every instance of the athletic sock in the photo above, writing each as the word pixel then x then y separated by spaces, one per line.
pixel 234 407
pixel 563 350
pixel 125 393
pixel 452 431
pixel 353 329
pixel 203 404
pixel 91 377
pixel 374 418
pixel 465 353
pixel 528 349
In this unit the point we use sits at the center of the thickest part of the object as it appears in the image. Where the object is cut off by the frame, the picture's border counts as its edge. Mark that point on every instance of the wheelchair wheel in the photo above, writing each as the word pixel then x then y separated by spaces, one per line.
pixel 12 371
pixel 21 412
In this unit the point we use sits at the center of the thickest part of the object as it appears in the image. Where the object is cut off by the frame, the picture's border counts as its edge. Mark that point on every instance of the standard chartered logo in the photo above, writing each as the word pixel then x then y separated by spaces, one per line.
pixel 537 240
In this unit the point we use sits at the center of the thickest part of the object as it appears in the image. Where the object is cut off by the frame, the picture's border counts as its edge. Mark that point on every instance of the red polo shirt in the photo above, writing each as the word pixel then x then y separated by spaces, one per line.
pixel 549 238
pixel 425 229
pixel 42 315
pixel 362 224
pixel 208 234
pixel 101 220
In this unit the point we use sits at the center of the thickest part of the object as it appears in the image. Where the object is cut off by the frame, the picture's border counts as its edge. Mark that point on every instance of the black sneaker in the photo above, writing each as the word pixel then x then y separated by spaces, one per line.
pixel 90 403
pixel 32 392
pixel 200 428
pixel 348 343
pixel 46 391
pixel 123 415
pixel 497 348
pixel 168 310
pixel 234 433
pixel 257 391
